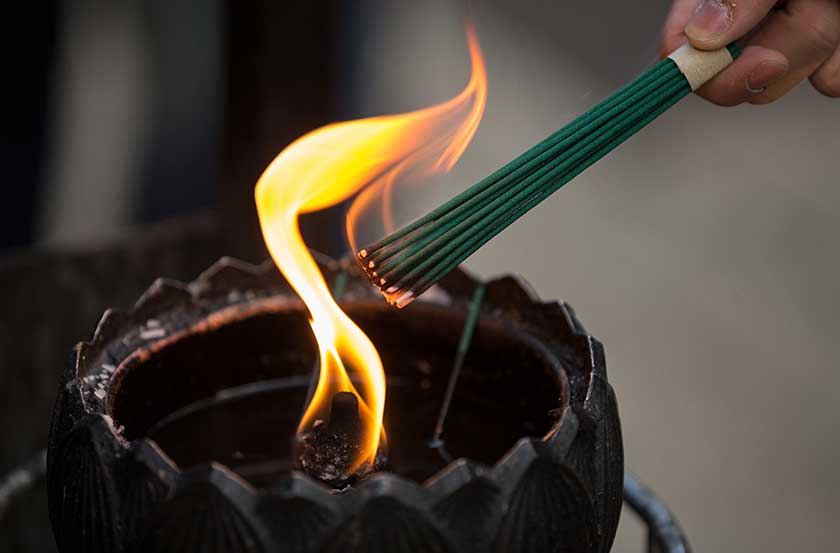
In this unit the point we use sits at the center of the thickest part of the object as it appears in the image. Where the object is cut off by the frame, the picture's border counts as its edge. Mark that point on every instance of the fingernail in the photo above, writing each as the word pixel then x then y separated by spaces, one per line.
pixel 711 20
pixel 765 74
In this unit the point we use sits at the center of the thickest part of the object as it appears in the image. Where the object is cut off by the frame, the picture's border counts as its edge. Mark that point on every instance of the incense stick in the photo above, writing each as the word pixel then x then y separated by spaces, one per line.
pixel 407 262
pixel 461 353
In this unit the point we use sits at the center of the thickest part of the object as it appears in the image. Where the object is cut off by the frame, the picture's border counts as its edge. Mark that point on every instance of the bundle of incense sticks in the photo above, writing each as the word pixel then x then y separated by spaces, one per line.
pixel 407 262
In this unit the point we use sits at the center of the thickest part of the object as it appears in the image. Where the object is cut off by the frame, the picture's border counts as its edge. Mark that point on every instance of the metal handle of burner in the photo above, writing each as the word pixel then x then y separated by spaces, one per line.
pixel 20 480
pixel 664 533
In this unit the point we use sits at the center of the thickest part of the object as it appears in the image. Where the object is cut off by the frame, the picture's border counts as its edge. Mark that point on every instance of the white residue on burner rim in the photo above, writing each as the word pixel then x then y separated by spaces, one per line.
pixel 149 333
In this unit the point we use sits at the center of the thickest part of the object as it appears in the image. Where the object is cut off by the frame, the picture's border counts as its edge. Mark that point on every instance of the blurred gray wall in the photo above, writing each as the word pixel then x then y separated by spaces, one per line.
pixel 702 253
pixel 136 106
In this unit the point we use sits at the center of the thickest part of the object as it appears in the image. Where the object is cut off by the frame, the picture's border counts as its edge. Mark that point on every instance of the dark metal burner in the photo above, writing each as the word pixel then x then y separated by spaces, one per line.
pixel 173 430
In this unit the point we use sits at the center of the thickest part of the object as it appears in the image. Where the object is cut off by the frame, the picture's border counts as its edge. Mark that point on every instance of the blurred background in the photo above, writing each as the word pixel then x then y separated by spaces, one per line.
pixel 702 252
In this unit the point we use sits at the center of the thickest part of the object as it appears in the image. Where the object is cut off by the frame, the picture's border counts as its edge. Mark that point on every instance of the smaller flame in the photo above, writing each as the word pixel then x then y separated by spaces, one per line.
pixel 326 167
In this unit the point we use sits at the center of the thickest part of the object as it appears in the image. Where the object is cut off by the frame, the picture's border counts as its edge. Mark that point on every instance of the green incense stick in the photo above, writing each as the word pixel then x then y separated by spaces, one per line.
pixel 407 262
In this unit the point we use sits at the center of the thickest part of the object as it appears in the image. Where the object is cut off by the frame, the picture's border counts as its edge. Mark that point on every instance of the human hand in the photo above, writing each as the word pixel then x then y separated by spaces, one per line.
pixel 784 42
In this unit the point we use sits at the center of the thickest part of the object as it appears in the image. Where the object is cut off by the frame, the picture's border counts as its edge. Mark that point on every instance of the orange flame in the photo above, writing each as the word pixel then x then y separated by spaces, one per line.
pixel 327 166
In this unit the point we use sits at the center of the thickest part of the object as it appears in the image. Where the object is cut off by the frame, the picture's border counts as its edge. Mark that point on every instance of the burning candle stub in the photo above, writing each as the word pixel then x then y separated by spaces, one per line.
pixel 359 159
pixel 327 452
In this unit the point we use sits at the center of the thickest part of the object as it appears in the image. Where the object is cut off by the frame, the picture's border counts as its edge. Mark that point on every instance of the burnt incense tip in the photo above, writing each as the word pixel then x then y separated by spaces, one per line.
pixel 399 292
pixel 404 299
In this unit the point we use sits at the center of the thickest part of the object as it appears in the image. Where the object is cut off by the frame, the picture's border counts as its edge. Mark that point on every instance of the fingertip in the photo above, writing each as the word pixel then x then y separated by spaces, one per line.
pixel 759 54
pixel 827 85
pixel 763 76
pixel 673 31
pixel 710 25
pixel 826 79
pixel 768 67
pixel 704 43
pixel 747 79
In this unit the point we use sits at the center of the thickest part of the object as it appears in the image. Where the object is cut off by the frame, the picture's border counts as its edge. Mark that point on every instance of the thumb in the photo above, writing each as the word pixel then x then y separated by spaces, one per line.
pixel 716 23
